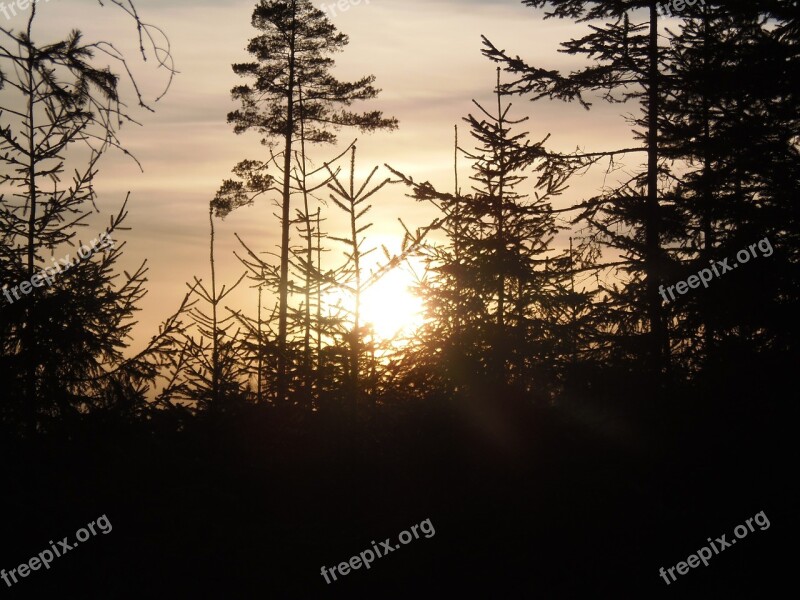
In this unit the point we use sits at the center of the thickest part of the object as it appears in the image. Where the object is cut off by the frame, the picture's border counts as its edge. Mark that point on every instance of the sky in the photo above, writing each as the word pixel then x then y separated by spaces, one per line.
pixel 427 61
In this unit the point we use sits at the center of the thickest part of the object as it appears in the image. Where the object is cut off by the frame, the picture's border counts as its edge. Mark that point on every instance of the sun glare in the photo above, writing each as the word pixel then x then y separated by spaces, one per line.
pixel 389 305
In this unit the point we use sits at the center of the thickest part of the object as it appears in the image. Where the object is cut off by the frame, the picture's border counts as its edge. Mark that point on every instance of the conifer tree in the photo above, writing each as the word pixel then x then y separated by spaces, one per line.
pixel 63 339
pixel 730 81
pixel 490 285
pixel 292 54
pixel 626 65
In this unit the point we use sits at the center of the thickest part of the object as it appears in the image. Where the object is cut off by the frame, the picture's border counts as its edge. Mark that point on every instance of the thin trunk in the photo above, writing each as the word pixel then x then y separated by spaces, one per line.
pixel 659 346
pixel 708 195
pixel 319 301
pixel 501 287
pixel 572 311
pixel 356 343
pixel 283 308
pixel 214 334
pixel 457 240
pixel 260 349
pixel 307 367
pixel 30 336
pixel 501 348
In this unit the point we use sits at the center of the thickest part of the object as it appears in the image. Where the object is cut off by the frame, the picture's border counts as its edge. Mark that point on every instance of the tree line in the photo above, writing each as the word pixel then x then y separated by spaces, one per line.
pixel 511 312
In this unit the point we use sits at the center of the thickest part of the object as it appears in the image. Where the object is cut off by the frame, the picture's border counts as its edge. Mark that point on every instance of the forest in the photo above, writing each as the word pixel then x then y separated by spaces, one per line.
pixel 572 368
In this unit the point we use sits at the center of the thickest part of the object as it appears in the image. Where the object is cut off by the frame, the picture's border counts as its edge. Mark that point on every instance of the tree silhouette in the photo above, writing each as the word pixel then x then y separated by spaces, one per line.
pixel 626 66
pixel 293 54
pixel 728 80
pixel 63 340
pixel 491 285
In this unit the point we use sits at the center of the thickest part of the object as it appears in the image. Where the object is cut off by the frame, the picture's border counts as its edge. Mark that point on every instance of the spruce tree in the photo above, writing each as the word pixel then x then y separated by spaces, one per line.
pixel 63 337
pixel 730 80
pixel 626 64
pixel 292 54
pixel 492 283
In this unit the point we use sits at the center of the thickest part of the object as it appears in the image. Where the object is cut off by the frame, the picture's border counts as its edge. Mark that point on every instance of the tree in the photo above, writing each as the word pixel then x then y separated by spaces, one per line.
pixel 293 55
pixel 352 275
pixel 492 284
pixel 626 66
pixel 211 374
pixel 62 341
pixel 254 179
pixel 730 74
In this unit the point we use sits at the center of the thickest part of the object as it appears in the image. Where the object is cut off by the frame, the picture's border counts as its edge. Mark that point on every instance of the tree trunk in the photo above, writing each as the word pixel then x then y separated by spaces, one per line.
pixel 283 302
pixel 658 348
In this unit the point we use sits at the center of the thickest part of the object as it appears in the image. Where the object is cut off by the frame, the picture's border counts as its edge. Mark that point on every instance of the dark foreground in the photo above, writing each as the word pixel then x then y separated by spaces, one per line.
pixel 573 501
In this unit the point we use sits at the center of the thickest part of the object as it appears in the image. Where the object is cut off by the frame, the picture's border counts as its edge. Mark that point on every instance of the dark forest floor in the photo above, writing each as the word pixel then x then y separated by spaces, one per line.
pixel 567 502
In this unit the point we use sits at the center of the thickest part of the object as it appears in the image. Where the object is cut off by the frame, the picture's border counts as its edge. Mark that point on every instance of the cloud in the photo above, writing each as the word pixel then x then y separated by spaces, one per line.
pixel 426 56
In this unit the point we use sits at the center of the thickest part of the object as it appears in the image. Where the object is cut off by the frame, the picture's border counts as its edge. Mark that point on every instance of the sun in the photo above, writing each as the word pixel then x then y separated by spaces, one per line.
pixel 391 307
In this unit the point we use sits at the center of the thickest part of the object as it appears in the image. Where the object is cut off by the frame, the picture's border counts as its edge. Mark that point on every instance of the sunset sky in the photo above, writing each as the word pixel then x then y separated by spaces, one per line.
pixel 524 400
pixel 427 61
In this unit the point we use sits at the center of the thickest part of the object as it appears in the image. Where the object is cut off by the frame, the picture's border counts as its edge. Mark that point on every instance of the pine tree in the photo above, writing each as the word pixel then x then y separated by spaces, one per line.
pixel 293 53
pixel 491 285
pixel 730 80
pixel 352 275
pixel 626 59
pixel 254 179
pixel 62 340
